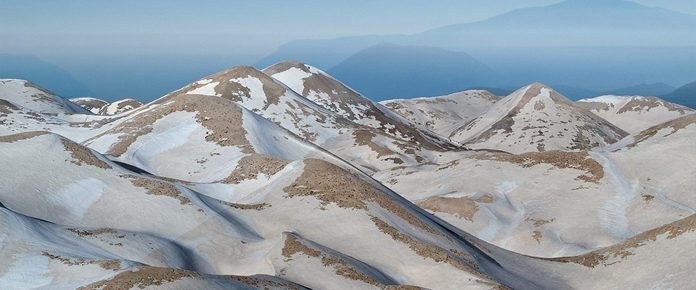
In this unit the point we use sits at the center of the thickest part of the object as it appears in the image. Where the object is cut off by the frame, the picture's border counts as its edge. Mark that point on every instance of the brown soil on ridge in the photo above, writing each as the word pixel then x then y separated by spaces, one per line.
pixel 342 268
pixel 157 187
pixel 142 277
pixel 234 91
pixel 250 166
pixel 7 107
pixel 460 206
pixel 220 117
pixel 560 159
pixel 637 104
pixel 21 136
pixel 675 125
pixel 105 264
pixel 81 154
pixel 332 184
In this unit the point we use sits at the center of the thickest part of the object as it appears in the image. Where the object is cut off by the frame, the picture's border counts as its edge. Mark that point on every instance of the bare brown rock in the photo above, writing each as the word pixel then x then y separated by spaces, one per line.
pixel 460 206
pixel 142 277
pixel 157 187
pixel 250 166
pixel 82 155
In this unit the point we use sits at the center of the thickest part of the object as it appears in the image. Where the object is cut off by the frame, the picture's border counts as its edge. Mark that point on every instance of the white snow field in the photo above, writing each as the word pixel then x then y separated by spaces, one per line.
pixel 288 179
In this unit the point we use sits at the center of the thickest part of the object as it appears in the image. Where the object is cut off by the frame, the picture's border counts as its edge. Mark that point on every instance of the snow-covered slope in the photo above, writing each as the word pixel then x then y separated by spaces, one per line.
pixel 28 95
pixel 443 114
pixel 634 113
pixel 314 216
pixel 120 106
pixel 90 104
pixel 199 139
pixel 558 202
pixel 218 186
pixel 333 95
pixel 537 118
pixel 39 254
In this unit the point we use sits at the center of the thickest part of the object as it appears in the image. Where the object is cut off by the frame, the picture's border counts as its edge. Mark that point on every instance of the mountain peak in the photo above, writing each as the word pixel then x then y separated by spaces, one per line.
pixel 536 91
pixel 242 72
pixel 537 118
pixel 286 65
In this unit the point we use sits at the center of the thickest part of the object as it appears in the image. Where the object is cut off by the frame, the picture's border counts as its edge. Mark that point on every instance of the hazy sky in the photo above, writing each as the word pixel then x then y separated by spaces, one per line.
pixel 229 27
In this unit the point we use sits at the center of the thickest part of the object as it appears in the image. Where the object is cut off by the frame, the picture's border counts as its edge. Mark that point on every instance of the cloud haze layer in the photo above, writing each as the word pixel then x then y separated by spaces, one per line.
pixel 144 49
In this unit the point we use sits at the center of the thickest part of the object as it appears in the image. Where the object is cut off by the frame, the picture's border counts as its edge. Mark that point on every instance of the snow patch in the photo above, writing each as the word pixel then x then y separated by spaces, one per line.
pixel 207 90
pixel 79 196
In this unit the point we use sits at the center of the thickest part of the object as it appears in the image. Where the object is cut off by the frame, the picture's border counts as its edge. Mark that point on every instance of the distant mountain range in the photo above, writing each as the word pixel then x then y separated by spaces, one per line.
pixel 43 73
pixel 684 95
pixel 592 46
pixel 410 71
pixel 573 23
pixel 655 89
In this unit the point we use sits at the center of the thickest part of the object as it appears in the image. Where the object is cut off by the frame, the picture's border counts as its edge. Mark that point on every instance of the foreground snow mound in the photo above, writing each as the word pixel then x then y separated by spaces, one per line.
pixel 358 223
pixel 634 113
pixel 28 95
pixel 537 118
pixel 41 254
pixel 443 114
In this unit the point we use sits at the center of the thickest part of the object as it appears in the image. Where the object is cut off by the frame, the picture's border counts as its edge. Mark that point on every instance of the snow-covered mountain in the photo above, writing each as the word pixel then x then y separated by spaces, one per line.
pixel 634 114
pixel 28 95
pixel 372 141
pixel 333 95
pixel 93 105
pixel 536 118
pixel 119 107
pixel 443 114
pixel 237 181
pixel 101 107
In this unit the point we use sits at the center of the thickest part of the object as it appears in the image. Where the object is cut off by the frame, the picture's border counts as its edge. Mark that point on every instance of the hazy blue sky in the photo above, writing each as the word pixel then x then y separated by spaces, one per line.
pixel 137 48
pixel 246 27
